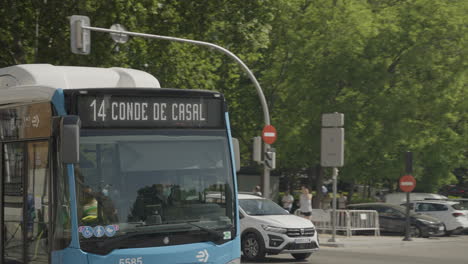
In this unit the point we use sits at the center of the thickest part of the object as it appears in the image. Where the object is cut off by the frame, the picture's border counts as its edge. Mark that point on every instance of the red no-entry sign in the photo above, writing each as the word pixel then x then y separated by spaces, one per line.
pixel 407 183
pixel 269 134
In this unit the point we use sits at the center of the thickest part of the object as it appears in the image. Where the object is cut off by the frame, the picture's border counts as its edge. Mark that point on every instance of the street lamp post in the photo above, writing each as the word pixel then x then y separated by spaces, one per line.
pixel 81 42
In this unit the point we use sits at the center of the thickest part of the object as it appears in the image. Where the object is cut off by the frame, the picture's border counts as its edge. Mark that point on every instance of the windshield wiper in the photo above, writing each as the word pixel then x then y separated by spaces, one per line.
pixel 215 234
pixel 133 234
pixel 113 240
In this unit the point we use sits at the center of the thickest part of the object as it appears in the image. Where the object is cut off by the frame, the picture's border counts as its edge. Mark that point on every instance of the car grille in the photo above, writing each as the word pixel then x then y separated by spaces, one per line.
pixel 294 246
pixel 300 232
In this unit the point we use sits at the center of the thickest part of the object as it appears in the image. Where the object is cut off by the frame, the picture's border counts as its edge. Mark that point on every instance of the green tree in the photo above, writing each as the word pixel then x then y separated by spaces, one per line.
pixel 397 69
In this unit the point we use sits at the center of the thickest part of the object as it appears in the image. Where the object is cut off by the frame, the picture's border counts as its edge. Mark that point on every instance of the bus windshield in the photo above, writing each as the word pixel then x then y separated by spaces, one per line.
pixel 175 184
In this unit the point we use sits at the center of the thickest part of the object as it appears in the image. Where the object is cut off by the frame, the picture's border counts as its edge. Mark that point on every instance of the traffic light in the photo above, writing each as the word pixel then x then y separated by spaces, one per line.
pixel 270 159
pixel 257 149
pixel 80 39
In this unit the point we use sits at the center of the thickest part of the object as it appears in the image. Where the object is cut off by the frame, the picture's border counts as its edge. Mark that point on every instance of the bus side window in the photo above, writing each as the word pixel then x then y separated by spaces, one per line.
pixel 37 203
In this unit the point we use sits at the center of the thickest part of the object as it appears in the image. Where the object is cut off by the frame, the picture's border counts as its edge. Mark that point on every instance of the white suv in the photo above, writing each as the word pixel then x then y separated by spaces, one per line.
pixel 452 214
pixel 266 228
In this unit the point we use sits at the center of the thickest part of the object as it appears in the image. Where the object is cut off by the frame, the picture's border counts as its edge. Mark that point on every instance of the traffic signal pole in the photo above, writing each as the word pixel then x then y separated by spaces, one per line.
pixel 80 31
pixel 333 218
pixel 266 176
pixel 332 154
pixel 409 171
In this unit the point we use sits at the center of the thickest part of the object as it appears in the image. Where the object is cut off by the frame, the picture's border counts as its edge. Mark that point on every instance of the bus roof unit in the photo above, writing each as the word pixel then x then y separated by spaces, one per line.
pixel 38 82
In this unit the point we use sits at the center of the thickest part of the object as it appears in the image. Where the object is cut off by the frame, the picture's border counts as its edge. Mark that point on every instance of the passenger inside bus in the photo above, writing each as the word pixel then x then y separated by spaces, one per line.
pixel 150 203
pixel 97 208
pixel 89 206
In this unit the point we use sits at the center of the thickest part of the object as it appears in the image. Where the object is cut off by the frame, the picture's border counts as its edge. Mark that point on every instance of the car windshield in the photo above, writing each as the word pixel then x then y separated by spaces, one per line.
pixel 139 183
pixel 400 209
pixel 261 207
pixel 460 206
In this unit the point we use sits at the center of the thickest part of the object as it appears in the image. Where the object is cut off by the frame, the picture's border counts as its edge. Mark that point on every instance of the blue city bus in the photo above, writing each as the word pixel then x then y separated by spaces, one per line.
pixel 101 165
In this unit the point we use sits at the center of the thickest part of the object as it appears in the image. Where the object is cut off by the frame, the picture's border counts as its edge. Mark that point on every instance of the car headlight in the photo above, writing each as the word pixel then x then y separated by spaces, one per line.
pixel 426 222
pixel 234 261
pixel 274 229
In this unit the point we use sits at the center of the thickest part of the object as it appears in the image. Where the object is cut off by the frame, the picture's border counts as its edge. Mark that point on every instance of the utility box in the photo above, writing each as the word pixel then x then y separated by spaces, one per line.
pixel 333 120
pixel 332 147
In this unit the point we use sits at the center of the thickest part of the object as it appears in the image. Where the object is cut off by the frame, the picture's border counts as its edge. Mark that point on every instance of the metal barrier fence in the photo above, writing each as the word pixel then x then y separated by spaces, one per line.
pixel 346 220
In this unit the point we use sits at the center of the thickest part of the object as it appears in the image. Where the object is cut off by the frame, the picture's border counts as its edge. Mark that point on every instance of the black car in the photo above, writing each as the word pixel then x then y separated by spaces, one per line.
pixel 454 190
pixel 392 218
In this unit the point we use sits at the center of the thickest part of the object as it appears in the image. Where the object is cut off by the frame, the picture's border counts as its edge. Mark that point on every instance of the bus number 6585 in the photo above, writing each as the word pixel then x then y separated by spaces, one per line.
pixel 138 260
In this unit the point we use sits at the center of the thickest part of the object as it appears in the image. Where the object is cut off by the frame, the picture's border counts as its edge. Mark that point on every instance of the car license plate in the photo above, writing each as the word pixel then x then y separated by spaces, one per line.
pixel 303 240
pixel 441 228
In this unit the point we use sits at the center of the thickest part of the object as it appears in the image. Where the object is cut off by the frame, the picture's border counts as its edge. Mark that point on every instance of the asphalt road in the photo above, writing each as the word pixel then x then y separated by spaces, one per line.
pixel 432 251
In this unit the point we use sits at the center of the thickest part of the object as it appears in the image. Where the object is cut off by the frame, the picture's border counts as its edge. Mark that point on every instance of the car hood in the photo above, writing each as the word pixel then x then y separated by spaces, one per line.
pixel 285 221
pixel 426 218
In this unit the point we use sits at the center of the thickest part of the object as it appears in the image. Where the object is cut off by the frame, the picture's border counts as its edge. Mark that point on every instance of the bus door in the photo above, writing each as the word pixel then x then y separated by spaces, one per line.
pixel 24 194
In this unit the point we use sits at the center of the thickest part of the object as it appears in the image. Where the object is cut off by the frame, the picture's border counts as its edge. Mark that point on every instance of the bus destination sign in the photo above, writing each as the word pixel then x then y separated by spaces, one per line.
pixel 145 112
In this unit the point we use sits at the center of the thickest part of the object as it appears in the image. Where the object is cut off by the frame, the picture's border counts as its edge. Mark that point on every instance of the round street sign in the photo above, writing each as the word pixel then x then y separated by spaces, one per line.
pixel 269 134
pixel 407 183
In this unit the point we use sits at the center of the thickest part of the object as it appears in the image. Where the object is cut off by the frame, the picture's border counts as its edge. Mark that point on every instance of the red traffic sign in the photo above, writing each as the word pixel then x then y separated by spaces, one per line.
pixel 269 134
pixel 407 183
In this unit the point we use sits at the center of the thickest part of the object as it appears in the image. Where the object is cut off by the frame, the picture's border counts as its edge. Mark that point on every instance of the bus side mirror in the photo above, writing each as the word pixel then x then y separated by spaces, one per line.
pixel 70 139
pixel 235 144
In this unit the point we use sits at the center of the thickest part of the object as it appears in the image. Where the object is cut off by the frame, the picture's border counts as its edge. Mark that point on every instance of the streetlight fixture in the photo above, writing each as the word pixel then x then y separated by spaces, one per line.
pixel 81 44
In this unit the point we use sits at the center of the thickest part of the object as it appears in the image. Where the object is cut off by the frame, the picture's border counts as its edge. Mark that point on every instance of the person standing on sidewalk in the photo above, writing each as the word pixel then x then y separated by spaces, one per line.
pixel 342 200
pixel 257 190
pixel 287 201
pixel 305 203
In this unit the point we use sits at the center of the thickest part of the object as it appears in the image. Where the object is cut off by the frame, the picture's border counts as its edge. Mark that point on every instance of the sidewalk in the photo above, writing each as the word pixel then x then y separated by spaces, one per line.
pixel 379 241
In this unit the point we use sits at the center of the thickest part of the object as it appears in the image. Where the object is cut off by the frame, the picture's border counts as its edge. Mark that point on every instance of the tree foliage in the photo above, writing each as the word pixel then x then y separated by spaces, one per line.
pixel 396 69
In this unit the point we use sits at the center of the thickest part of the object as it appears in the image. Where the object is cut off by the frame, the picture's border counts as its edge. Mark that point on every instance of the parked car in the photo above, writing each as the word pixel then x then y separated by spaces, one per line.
pixel 266 228
pixel 454 190
pixel 392 219
pixel 463 202
pixel 453 214
pixel 400 197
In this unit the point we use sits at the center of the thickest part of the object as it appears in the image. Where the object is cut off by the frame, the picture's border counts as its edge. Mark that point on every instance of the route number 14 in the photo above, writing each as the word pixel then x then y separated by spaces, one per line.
pixel 99 112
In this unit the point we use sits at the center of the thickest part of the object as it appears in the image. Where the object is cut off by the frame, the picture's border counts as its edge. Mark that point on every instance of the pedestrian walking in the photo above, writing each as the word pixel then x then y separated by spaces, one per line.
pixel 305 203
